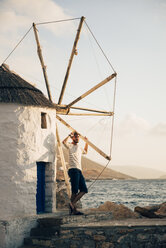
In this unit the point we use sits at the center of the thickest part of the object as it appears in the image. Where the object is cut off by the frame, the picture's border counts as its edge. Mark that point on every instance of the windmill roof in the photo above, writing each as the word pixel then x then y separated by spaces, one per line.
pixel 14 89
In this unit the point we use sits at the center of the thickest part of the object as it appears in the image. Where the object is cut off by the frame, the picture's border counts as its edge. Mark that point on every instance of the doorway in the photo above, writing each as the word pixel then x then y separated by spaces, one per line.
pixel 40 194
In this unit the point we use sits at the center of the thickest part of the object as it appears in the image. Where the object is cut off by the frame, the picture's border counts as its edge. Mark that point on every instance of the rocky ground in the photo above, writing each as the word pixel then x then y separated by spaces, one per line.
pixel 119 211
pixel 156 211
pixel 110 225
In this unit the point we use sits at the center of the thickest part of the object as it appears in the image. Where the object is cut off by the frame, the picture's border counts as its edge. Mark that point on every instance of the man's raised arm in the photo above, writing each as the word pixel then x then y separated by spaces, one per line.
pixel 65 141
pixel 86 147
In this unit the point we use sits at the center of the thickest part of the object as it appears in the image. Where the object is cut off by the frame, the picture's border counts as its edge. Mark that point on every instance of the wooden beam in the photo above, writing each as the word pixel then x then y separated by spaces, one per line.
pixel 39 51
pixel 92 89
pixel 71 59
pixel 63 162
pixel 85 114
pixel 63 110
pixel 83 138
pixel 93 110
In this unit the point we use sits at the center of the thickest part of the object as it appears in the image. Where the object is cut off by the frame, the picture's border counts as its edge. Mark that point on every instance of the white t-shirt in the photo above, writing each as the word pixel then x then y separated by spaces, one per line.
pixel 75 153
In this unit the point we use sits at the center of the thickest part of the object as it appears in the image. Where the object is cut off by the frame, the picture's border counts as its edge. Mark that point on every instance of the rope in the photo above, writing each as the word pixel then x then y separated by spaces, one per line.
pixel 29 31
pixel 100 47
pixel 98 67
pixel 93 125
pixel 112 128
pixel 17 45
pixel 98 175
pixel 65 20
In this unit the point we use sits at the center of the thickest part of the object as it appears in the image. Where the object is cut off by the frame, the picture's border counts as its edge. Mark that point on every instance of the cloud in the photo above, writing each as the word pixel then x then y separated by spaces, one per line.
pixel 158 130
pixel 17 14
pixel 132 124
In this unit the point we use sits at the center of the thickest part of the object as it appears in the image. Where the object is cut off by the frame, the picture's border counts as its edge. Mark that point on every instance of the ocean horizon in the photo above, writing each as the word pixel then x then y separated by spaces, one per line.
pixel 131 193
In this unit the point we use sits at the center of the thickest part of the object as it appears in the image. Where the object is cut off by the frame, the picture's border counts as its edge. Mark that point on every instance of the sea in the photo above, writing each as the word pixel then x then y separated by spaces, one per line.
pixel 131 193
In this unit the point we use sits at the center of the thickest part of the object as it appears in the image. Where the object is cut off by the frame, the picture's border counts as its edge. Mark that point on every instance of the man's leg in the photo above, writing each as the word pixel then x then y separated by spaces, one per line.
pixel 73 202
pixel 77 197
pixel 83 190
pixel 74 180
pixel 77 181
pixel 73 196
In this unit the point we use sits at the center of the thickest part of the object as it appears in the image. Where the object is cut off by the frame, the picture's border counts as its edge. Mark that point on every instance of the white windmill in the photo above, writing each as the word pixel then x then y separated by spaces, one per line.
pixel 66 109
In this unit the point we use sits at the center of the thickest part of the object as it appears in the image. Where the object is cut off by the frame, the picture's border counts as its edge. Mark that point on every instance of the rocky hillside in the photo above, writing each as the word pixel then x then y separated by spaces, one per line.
pixel 163 177
pixel 92 169
pixel 140 172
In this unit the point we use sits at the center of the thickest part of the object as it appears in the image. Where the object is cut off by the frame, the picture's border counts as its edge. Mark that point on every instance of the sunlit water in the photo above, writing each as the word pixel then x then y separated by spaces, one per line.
pixel 131 193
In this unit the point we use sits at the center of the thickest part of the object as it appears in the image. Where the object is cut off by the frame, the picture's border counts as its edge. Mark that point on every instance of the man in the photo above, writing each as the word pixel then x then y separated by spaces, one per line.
pixel 78 185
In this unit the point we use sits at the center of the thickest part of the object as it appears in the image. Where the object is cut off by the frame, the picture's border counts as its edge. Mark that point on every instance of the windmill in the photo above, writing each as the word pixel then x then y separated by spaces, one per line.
pixel 66 109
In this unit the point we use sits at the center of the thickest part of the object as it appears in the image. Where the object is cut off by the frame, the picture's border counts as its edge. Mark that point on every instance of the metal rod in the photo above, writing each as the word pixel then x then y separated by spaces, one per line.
pixel 83 138
pixel 71 59
pixel 92 89
pixel 39 51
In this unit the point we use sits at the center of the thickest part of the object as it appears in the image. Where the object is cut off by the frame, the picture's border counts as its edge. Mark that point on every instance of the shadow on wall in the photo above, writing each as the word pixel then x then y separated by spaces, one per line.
pixel 49 155
pixel 16 177
pixel 19 180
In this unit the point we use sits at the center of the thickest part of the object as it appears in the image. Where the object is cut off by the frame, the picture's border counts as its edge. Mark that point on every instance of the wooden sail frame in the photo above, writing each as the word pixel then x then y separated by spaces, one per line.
pixel 65 109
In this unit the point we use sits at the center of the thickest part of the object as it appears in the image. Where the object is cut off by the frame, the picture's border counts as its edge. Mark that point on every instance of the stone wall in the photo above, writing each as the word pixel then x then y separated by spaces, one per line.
pixel 50 188
pixel 113 237
pixel 97 231
pixel 13 231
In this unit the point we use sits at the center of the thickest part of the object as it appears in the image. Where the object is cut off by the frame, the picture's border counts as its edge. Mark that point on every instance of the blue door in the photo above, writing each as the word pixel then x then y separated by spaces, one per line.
pixel 40 195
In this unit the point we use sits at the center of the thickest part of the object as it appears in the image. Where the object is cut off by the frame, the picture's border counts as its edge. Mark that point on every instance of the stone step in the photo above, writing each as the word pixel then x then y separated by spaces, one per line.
pixel 50 222
pixel 61 242
pixel 45 231
pixel 88 217
pixel 31 246
pixel 42 242
pixel 37 242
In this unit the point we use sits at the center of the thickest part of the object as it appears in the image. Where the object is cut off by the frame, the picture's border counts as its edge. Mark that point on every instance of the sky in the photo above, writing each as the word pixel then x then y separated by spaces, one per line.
pixel 133 37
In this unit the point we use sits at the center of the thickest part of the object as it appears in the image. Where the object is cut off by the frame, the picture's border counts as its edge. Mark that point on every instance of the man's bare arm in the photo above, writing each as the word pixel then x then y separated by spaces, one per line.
pixel 86 147
pixel 66 139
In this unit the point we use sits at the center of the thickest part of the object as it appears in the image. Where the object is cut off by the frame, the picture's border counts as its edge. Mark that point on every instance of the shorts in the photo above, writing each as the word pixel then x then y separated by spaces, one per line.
pixel 77 181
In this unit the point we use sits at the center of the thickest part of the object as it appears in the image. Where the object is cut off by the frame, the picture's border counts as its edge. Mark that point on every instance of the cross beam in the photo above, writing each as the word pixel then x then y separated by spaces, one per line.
pixel 63 110
pixel 71 59
pixel 84 139
pixel 106 80
pixel 86 114
pixel 93 110
pixel 39 51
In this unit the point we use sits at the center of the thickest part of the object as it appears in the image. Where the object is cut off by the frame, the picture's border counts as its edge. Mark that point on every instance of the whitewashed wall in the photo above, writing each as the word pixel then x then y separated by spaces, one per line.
pixel 22 143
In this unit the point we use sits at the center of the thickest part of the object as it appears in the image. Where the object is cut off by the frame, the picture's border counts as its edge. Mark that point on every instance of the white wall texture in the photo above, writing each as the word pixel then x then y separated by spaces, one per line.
pixel 22 143
pixel 13 232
